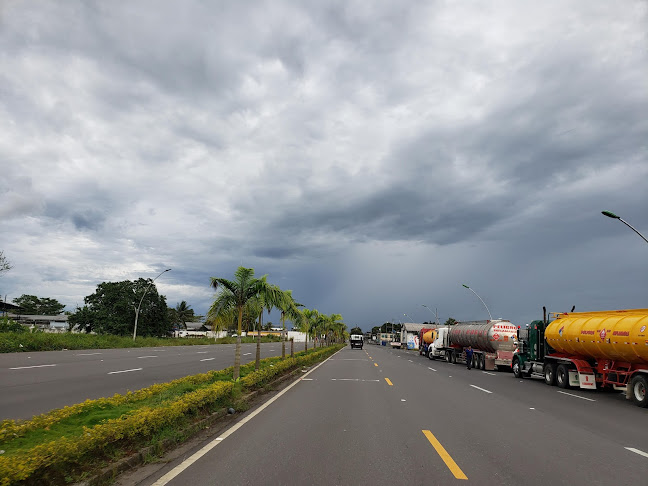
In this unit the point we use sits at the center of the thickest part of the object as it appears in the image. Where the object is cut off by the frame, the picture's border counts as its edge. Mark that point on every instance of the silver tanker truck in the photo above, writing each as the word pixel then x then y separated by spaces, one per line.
pixel 493 342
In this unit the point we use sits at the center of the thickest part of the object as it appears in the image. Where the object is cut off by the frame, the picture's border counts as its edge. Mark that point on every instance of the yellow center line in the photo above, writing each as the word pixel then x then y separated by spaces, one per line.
pixel 456 470
pixel 389 382
pixel 375 364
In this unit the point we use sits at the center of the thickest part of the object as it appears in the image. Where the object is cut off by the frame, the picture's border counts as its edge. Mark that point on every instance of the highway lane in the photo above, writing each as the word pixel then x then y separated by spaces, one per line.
pixel 384 416
pixel 34 383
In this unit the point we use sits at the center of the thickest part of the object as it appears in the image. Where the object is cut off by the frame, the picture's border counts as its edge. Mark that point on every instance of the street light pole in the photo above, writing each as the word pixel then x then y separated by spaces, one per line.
pixel 137 311
pixel 411 320
pixel 435 313
pixel 482 301
pixel 610 214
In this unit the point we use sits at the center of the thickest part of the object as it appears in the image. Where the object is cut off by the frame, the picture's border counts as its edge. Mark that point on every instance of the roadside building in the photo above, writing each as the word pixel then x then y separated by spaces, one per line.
pixel 42 323
pixel 410 335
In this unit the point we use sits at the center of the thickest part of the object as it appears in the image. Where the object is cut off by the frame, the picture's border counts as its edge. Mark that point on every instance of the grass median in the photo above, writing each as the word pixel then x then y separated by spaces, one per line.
pixel 73 442
pixel 15 342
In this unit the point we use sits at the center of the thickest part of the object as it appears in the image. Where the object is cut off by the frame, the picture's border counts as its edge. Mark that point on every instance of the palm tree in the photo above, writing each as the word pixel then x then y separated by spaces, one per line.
pixel 183 313
pixel 333 327
pixel 309 323
pixel 233 295
pixel 270 296
pixel 289 309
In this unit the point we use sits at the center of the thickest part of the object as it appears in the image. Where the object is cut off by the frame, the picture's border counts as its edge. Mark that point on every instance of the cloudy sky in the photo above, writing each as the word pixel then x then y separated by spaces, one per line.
pixel 371 156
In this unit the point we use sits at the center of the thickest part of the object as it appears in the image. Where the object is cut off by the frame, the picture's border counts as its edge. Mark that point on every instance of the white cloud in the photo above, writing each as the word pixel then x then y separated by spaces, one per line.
pixel 336 147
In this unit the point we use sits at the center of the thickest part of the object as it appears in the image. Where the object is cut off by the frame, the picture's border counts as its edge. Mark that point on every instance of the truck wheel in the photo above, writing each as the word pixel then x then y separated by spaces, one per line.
pixel 562 376
pixel 550 374
pixel 430 355
pixel 517 372
pixel 639 385
pixel 454 358
pixel 482 363
pixel 447 357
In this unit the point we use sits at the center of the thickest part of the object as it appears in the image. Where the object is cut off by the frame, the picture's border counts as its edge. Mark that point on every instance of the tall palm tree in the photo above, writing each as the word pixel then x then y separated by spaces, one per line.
pixel 308 324
pixel 289 310
pixel 333 327
pixel 183 313
pixel 270 296
pixel 234 295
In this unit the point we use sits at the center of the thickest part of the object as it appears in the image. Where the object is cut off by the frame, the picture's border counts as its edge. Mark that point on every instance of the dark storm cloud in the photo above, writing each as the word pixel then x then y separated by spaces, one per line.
pixel 370 157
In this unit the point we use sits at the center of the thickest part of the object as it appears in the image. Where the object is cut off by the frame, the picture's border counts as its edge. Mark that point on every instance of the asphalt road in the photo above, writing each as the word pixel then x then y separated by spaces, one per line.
pixel 34 383
pixel 383 416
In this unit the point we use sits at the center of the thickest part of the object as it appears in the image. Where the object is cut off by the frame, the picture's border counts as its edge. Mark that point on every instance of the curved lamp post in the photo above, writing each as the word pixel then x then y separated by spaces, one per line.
pixel 411 320
pixel 482 301
pixel 137 311
pixel 435 313
pixel 610 214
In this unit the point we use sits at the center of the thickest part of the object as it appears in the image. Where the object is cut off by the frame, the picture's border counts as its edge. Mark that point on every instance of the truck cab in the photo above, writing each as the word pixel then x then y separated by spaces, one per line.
pixel 356 341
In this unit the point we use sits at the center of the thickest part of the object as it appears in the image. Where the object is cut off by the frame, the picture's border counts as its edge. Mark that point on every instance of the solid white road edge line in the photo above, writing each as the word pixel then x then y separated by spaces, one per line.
pixel 637 451
pixel 190 460
pixel 577 396
pixel 26 367
pixel 124 371
pixel 474 386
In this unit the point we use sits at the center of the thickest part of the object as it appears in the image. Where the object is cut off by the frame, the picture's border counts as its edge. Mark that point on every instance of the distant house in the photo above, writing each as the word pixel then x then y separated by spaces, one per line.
pixel 409 334
pixel 193 329
pixel 7 307
pixel 57 323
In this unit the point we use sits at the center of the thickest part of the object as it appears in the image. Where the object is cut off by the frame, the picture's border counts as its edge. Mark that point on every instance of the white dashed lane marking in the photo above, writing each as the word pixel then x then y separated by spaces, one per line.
pixel 35 366
pixel 125 371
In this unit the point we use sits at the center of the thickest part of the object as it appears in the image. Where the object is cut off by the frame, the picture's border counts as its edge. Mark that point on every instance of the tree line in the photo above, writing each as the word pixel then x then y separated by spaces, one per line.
pixel 246 297
pixel 238 304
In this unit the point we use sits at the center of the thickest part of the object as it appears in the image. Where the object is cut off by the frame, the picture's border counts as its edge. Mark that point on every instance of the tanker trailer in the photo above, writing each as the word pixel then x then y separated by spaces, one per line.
pixel 604 349
pixel 493 342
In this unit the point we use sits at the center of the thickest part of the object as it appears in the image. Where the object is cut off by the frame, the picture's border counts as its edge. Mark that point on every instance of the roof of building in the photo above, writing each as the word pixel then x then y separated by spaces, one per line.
pixel 195 326
pixel 32 317
pixel 5 306
pixel 412 327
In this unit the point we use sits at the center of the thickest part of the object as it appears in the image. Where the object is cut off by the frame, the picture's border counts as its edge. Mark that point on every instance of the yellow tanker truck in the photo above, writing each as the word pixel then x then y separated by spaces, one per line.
pixel 590 350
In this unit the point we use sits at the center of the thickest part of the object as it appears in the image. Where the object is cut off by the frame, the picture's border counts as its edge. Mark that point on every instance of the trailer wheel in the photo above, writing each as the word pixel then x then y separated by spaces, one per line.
pixel 454 357
pixel 482 362
pixel 562 376
pixel 639 385
pixel 517 372
pixel 550 374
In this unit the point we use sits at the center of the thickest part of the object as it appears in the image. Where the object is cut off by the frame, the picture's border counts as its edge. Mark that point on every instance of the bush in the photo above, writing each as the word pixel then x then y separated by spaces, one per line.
pixel 8 325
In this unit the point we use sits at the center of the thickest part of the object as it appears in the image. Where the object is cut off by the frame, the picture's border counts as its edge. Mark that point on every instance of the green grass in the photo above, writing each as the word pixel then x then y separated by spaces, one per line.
pixel 12 342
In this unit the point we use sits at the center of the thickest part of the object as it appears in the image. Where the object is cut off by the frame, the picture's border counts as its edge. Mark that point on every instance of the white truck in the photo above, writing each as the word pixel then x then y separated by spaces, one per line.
pixel 356 340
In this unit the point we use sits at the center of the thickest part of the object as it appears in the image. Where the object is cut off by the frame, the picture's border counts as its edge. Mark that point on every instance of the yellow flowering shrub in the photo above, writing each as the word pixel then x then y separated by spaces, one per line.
pixel 11 429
